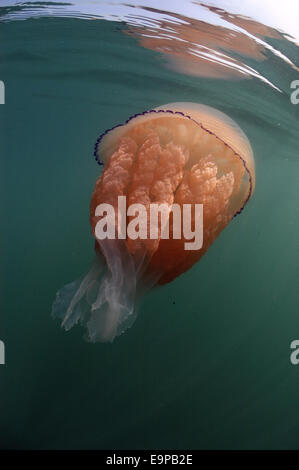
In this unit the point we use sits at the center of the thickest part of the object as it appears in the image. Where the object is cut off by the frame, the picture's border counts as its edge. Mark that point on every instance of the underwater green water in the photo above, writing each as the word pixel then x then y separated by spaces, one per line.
pixel 207 363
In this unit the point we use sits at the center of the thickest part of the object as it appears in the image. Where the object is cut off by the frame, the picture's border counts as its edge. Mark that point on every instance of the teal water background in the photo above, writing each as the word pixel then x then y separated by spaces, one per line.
pixel 207 363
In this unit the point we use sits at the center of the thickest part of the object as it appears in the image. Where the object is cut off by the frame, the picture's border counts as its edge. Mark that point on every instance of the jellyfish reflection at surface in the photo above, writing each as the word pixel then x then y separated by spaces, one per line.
pixel 179 153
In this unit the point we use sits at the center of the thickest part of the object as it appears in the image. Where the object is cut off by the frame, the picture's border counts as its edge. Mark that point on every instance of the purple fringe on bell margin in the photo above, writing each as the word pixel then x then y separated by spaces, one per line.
pixel 191 119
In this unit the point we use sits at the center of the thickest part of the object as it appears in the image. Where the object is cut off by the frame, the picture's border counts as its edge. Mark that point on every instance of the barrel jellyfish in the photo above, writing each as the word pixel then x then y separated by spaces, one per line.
pixel 177 155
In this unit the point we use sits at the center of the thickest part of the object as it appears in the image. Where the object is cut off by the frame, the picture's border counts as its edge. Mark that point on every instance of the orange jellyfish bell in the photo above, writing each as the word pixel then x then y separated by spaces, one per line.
pixel 178 162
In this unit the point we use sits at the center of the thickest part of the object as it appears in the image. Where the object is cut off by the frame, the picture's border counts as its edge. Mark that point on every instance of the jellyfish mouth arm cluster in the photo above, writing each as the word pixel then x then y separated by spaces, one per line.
pixel 173 179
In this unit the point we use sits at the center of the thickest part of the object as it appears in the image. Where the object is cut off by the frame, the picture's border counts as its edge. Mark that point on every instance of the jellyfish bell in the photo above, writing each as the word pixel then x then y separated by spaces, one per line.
pixel 209 119
pixel 176 155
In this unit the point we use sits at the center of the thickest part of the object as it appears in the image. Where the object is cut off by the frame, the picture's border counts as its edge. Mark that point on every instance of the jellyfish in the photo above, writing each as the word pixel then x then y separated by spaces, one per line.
pixel 174 156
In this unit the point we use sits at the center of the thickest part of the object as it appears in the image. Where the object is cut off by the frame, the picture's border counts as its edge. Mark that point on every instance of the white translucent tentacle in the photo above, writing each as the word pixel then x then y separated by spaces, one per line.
pixel 104 300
